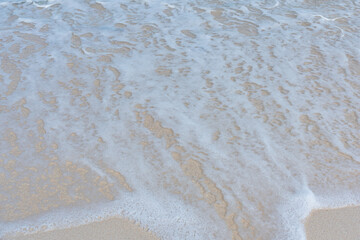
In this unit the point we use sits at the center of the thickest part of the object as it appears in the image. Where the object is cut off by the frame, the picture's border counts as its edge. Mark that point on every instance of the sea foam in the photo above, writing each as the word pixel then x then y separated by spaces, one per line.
pixel 197 119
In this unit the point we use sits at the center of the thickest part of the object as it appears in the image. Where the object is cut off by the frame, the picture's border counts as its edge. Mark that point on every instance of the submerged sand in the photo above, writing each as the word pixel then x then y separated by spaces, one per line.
pixel 114 228
pixel 198 119
pixel 331 224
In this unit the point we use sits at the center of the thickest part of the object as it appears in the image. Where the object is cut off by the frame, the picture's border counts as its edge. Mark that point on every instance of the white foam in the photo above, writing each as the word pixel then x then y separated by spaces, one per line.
pixel 264 95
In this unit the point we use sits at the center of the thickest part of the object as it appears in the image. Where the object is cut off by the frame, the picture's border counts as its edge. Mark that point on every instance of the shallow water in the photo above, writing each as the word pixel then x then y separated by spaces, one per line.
pixel 198 119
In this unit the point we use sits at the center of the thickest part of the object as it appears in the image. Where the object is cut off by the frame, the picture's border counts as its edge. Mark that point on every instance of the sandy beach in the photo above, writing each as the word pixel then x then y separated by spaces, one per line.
pixel 334 224
pixel 110 229
pixel 321 224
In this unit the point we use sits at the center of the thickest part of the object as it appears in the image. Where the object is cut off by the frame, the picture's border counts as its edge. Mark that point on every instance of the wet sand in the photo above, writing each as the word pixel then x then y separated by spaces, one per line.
pixel 114 229
pixel 198 119
pixel 331 224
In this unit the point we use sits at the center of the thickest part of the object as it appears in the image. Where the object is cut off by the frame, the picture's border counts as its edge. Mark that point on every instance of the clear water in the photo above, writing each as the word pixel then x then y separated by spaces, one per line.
pixel 198 119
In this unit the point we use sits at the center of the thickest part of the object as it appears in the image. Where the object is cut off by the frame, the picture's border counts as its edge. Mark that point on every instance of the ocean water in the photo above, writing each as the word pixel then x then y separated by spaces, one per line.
pixel 198 119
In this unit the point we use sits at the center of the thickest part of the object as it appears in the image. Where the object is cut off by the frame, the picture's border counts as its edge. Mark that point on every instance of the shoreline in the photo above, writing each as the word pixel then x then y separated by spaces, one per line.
pixel 111 228
pixel 321 224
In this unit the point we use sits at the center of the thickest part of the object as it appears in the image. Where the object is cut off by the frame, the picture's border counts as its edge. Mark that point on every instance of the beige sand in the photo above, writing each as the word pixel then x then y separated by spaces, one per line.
pixel 111 229
pixel 334 224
